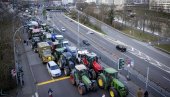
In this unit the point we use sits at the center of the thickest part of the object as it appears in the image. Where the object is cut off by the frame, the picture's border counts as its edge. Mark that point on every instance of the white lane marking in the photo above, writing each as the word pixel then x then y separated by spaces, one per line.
pixel 166 78
pixel 149 85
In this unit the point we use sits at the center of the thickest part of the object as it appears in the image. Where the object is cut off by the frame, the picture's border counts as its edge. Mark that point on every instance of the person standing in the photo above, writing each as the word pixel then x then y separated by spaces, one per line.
pixel 139 93
pixel 146 94
pixel 50 92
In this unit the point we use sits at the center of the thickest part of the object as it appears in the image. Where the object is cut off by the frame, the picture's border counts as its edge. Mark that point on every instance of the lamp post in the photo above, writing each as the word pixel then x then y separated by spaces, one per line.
pixel 78 28
pixel 16 62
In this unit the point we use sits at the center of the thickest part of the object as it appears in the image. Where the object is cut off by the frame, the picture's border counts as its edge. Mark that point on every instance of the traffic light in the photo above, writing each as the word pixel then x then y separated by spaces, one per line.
pixel 121 63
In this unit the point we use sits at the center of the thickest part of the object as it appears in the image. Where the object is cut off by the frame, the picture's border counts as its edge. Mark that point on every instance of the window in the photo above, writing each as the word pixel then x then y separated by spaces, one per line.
pixel 54 67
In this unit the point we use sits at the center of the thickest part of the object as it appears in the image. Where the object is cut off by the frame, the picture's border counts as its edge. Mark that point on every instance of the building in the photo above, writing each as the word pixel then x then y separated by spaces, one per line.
pixel 160 5
pixel 107 2
pixel 119 4
pixel 64 2
pixel 133 2
pixel 90 1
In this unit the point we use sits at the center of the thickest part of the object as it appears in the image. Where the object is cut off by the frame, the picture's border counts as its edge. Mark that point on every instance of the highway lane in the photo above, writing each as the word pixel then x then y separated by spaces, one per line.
pixel 140 61
pixel 161 57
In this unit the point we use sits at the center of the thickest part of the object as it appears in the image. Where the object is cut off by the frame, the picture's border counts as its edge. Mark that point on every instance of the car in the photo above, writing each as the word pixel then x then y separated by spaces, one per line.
pixel 121 48
pixel 90 32
pixel 86 42
pixel 53 69
pixel 63 29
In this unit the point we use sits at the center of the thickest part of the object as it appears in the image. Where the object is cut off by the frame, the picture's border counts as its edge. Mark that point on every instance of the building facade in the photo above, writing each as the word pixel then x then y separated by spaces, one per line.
pixel 160 5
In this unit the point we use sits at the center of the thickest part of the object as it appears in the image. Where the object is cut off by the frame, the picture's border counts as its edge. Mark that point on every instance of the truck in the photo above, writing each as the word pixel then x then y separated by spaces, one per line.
pixel 44 51
pixel 35 36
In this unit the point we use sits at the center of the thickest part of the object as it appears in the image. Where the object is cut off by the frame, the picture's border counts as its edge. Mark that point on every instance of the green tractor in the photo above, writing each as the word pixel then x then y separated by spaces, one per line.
pixel 80 77
pixel 57 50
pixel 66 62
pixel 108 80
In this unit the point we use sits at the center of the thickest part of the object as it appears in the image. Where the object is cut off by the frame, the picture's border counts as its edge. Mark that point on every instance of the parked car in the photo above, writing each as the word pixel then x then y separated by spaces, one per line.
pixel 53 69
pixel 63 29
pixel 121 48
pixel 86 42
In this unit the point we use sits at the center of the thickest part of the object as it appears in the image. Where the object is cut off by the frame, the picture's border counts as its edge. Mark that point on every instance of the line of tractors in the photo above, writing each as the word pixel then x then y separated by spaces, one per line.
pixel 81 65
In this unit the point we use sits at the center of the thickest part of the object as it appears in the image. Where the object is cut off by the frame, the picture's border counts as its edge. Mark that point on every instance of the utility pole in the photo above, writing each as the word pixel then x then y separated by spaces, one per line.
pixel 78 30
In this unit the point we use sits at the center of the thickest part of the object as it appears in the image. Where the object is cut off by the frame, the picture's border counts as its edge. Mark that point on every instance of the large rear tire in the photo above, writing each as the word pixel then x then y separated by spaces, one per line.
pixel 113 92
pixel 94 86
pixel 101 82
pixel 73 82
pixel 66 71
pixel 81 89
pixel 93 74
pixel 60 64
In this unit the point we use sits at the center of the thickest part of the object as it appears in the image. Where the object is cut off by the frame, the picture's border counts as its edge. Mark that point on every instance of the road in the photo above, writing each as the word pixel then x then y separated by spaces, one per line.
pixel 101 46
pixel 107 49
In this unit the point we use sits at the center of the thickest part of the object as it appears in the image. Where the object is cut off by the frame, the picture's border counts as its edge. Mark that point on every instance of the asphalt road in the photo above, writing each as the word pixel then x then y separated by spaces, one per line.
pixel 108 49
pixel 99 45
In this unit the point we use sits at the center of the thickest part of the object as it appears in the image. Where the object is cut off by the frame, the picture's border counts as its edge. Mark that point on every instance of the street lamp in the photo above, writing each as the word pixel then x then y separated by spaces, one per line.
pixel 78 28
pixel 16 63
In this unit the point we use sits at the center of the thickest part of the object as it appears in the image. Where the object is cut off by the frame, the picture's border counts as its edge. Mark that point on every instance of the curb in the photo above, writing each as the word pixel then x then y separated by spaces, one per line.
pixel 161 49
pixel 85 26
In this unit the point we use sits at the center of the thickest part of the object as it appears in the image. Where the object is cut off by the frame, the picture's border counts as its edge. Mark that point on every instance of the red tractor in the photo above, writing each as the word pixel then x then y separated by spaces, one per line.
pixel 90 60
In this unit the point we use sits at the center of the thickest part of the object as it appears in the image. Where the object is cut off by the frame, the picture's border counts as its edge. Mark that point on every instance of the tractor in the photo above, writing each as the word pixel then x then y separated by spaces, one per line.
pixel 108 80
pixel 57 49
pixel 66 62
pixel 91 61
pixel 80 77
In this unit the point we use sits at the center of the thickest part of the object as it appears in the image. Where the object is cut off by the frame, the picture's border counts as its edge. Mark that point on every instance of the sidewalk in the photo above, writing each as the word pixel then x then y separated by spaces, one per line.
pixel 29 88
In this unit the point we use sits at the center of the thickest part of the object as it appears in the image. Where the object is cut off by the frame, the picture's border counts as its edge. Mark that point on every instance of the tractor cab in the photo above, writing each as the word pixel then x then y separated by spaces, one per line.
pixel 91 60
pixel 66 59
pixel 72 50
pixel 43 25
pixel 57 49
pixel 82 53
pixel 111 73
pixel 65 44
pixel 57 46
pixel 36 33
pixel 81 70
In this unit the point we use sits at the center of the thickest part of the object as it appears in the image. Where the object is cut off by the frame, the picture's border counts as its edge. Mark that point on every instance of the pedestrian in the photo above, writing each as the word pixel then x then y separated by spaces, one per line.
pixel 139 93
pixel 50 92
pixel 103 95
pixel 27 42
pixel 146 94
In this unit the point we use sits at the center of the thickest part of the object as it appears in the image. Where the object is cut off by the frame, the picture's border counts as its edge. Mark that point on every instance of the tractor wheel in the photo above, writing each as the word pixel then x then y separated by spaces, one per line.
pixel 94 86
pixel 73 82
pixel 60 64
pixel 82 89
pixel 66 71
pixel 92 74
pixel 100 82
pixel 113 92
pixel 127 90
